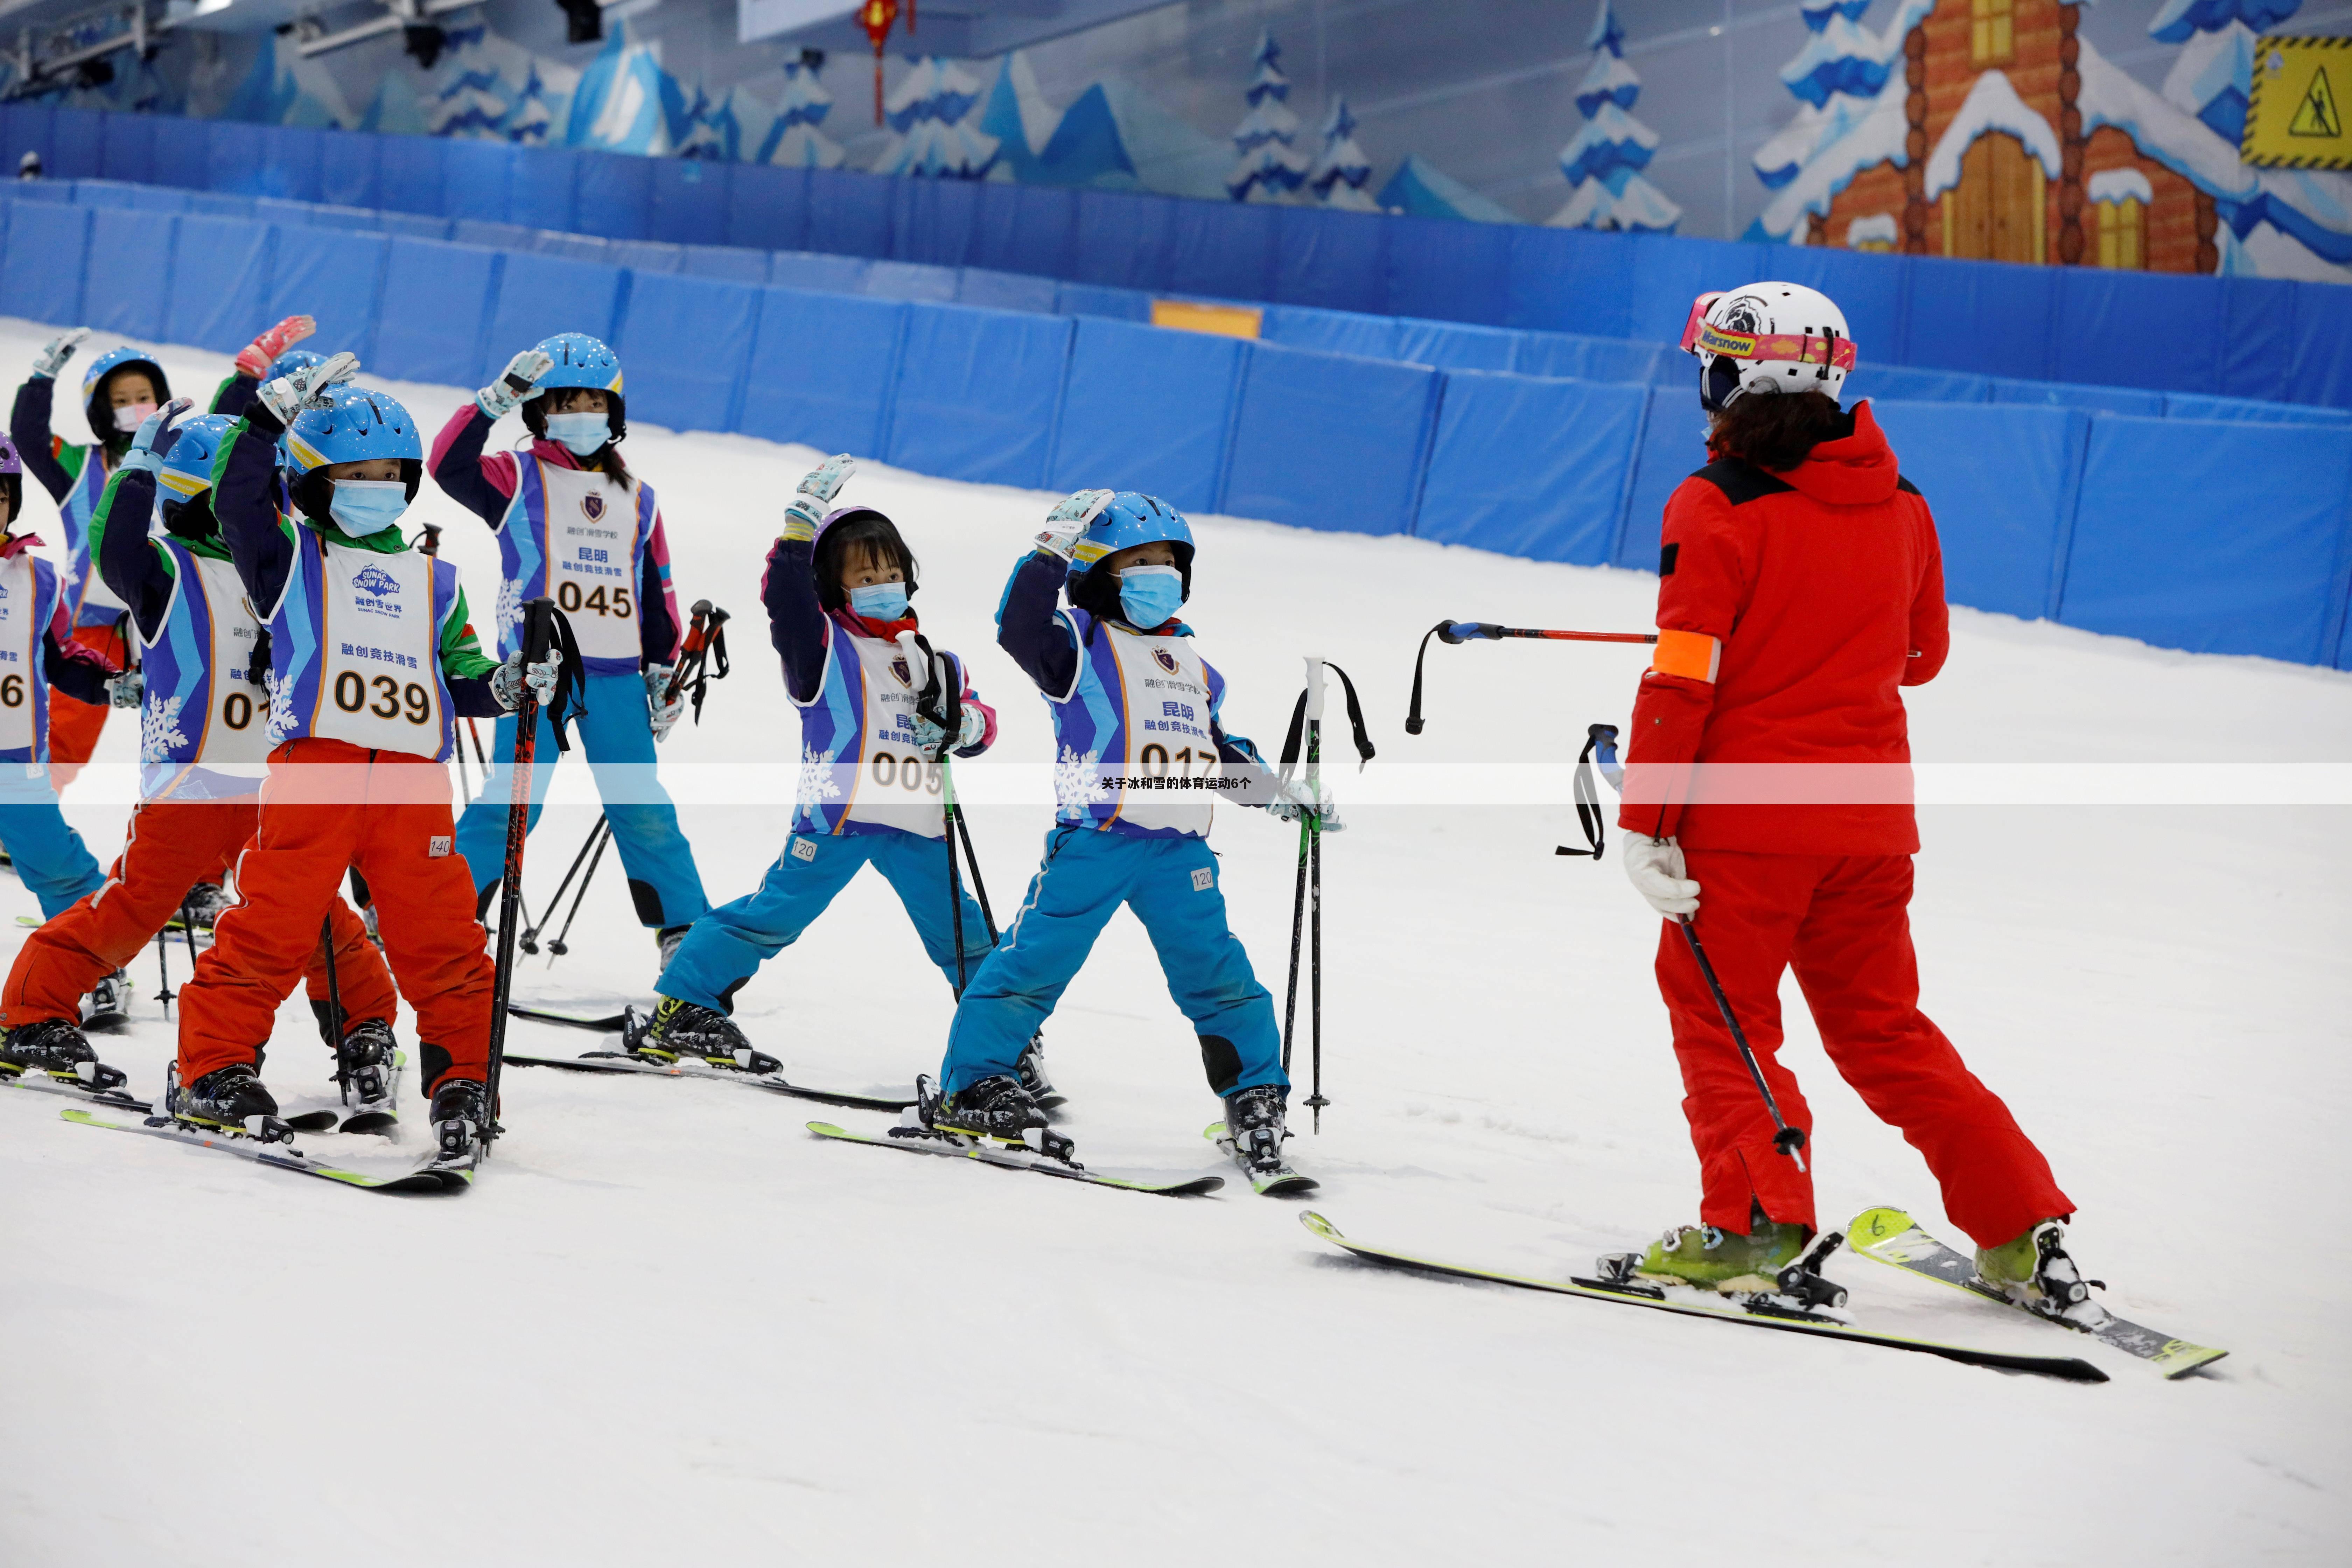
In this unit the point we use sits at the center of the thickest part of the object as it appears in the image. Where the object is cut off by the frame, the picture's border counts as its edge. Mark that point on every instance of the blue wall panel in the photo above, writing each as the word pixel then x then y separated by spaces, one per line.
pixel 1334 259
pixel 933 221
pixel 1331 332
pixel 1323 441
pixel 1450 346
pixel 540 296
pixel 436 302
pixel 1873 291
pixel 2187 405
pixel 129 262
pixel 1025 228
pixel 1559 355
pixel 1668 274
pixel 909 281
pixel 127 146
pixel 2218 538
pixel 409 174
pixel 1095 299
pixel 615 195
pixel 491 233
pixel 2321 368
pixel 2258 339
pixel 1147 410
pixel 2065 394
pixel 99 193
pixel 43 261
pixel 220 272
pixel 1449 271
pixel 235 153
pixel 1226 251
pixel 293 154
pixel 1571 280
pixel 730 263
pixel 356 220
pixel 690 201
pixel 1006 290
pixel 289 214
pixel 848 213
pixel 29 127
pixel 477 180
pixel 1673 448
pixel 1532 467
pixel 2102 336
pixel 821 369
pixel 649 256
pixel 335 276
pixel 349 170
pixel 767 208
pixel 221 204
pixel 1986 317
pixel 977 392
pixel 77 146
pixel 543 190
pixel 1868 379
pixel 684 342
pixel 577 246
pixel 1999 479
pixel 159 199
pixel 415 225
pixel 1121 240
pixel 817 274
pixel 184 158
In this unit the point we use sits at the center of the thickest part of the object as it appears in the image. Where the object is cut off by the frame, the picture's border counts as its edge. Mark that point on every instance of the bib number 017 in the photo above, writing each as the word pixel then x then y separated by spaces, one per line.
pixel 383 697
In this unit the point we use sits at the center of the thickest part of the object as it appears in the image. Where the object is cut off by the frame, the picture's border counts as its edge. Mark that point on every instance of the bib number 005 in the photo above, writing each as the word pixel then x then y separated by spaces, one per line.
pixel 912 772
pixel 383 697
pixel 602 600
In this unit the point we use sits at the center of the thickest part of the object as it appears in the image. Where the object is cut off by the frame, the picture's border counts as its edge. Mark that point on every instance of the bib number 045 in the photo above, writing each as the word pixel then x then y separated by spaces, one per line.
pixel 602 600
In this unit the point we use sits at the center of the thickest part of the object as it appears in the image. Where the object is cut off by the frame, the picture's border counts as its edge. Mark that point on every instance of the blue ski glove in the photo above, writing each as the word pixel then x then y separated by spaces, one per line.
pixel 59 349
pixel 152 440
pixel 814 497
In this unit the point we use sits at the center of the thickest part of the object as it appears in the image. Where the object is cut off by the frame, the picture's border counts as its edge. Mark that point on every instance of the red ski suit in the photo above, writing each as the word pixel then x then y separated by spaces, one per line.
pixel 1791 609
pixel 171 845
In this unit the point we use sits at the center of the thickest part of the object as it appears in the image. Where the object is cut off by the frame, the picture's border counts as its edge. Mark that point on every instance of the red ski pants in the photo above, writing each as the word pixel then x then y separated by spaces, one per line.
pixel 1843 922
pixel 329 805
pixel 171 845
pixel 75 725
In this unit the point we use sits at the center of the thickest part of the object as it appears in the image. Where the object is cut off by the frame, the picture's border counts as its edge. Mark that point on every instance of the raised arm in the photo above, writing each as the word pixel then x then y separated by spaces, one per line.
pixel 482 485
pixel 29 427
pixel 127 559
pixel 1027 627
pixel 245 500
pixel 796 621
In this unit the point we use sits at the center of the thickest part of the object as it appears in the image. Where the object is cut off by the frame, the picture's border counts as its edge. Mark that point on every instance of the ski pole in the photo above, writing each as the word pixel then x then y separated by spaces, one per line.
pixel 706 641
pixel 538 634
pixel 1485 631
pixel 928 704
pixel 531 928
pixel 1307 900
pixel 1789 1140
pixel 979 888
pixel 432 547
pixel 162 963
pixel 556 949
pixel 335 1007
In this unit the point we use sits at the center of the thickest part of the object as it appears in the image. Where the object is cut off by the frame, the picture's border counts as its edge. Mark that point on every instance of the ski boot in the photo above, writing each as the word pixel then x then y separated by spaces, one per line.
pixel 1032 1068
pixel 995 1110
pixel 2035 1272
pixel 204 905
pixel 226 1100
pixel 1715 1259
pixel 1253 1123
pixel 56 1048
pixel 685 1031
pixel 107 1008
pixel 370 1054
pixel 461 1122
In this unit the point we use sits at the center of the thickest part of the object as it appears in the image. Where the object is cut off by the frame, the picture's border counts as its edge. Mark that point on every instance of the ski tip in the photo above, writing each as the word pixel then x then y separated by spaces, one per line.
pixel 75 1113
pixel 1214 1131
pixel 1321 1226
pixel 2179 1358
pixel 1872 1226
pixel 827 1130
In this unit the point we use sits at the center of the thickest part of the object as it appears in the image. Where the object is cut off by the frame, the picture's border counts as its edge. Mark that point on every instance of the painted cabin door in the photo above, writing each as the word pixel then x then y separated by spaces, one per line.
pixel 1995 213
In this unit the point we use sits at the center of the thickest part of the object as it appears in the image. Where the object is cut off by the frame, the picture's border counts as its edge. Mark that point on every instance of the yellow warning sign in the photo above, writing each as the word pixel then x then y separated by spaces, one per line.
pixel 2296 118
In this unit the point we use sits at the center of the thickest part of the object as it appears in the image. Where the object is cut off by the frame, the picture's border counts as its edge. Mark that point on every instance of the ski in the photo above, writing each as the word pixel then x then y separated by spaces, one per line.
pixel 423 1178
pixel 61 1083
pixel 617 1061
pixel 380 1121
pixel 1894 1238
pixel 596 1023
pixel 1758 1312
pixel 1282 1184
pixel 918 1141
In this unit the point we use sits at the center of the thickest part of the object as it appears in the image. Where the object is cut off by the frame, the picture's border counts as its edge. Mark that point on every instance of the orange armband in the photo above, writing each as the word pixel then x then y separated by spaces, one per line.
pixel 1693 655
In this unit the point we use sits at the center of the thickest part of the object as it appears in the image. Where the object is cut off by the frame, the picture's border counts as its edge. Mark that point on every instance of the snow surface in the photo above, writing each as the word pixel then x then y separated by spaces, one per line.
pixel 667 1325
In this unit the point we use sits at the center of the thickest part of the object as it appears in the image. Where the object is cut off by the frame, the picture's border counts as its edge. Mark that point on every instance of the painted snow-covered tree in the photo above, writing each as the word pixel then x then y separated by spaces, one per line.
pixel 1851 116
pixel 1603 164
pixel 928 110
pixel 1339 173
pixel 1269 167
pixel 2213 78
pixel 792 137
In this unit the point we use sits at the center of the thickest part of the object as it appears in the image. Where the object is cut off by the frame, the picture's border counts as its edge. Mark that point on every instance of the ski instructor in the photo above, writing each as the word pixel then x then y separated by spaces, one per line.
pixel 1800 586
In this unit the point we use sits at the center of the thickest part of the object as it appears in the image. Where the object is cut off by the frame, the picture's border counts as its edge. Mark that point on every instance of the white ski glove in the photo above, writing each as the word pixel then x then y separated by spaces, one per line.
pixel 144 456
pixel 1293 800
pixel 514 384
pixel 509 679
pixel 288 396
pixel 1067 523
pixel 1655 867
pixel 972 728
pixel 126 690
pixel 665 709
pixel 814 497
pixel 59 349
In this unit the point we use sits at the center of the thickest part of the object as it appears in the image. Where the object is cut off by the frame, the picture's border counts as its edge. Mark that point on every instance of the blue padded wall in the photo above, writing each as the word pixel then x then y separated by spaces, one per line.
pixel 153 199
pixel 1570 281
pixel 578 246
pixel 2002 519
pixel 1321 441
pixel 127 146
pixel 2102 336
pixel 1120 240
pixel 933 221
pixel 1227 252
pixel 2186 406
pixel 130 260
pixel 2321 368
pixel 1873 291
pixel 821 369
pixel 909 281
pixel 1532 467
pixel 1331 332
pixel 977 392
pixel 848 215
pixel 1868 379
pixel 1673 448
pixel 540 296
pixel 1099 300
pixel 183 159
pixel 292 172
pixel 409 174
pixel 1986 317
pixel 436 302
pixel 1334 259
pixel 1025 228
pixel 687 390
pixel 492 234
pixel 688 202
pixel 1147 410
pixel 767 208
pixel 335 276
pixel 1449 346
pixel 1669 273
pixel 43 261
pixel 219 270
pixel 2064 395
pixel 727 262
pixel 349 171
pixel 543 190
pixel 76 146
pixel 817 274
pixel 646 255
pixel 476 180
pixel 615 195
pixel 1448 271
pixel 1004 290
pixel 2216 538
pixel 2258 339
pixel 415 225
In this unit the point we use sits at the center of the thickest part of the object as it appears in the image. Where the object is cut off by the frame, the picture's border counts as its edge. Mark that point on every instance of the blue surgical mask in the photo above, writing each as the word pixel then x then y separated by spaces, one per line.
pixel 1150 594
pixel 580 433
pixel 880 601
pixel 362 507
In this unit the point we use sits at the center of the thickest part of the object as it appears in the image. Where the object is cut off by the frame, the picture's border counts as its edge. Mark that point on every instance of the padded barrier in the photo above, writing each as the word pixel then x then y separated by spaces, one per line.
pixel 1224 252
pixel 219 270
pixel 2101 337
pixel 848 215
pixel 614 195
pixel 415 225
pixel 540 296
pixel 2098 399
pixel 127 146
pixel 647 256
pixel 1120 241
pixel 1988 318
pixel 129 259
pixel 821 369
pixel 1530 467
pixel 347 170
pixel 476 181
pixel 688 202
pixel 577 246
pixel 1146 409
pixel 409 174
pixel 1025 228
pixel 104 194
pixel 913 280
pixel 977 392
pixel 1336 260
pixel 43 261
pixel 816 274
pixel 724 262
pixel 1673 448
pixel 1331 332
pixel 436 302
pixel 1453 271
pixel 767 208
pixel 1323 441
pixel 492 234
pixel 76 146
pixel 1451 347
pixel 333 274
pixel 2231 539
pixel 2181 405
pixel 932 221
pixel 683 345
pixel 2002 522
pixel 1004 290
pixel 1095 299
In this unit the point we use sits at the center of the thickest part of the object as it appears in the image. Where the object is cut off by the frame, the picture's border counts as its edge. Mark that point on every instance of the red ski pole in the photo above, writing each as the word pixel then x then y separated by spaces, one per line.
pixel 537 633
pixel 1487 631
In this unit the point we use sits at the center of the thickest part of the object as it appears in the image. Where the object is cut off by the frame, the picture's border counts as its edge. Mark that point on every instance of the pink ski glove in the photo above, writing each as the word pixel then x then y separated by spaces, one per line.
pixel 259 354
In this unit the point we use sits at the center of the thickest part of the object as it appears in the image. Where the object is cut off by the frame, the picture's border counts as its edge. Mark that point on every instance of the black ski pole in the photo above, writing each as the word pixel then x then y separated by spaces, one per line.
pixel 531 928
pixel 556 948
pixel 335 1008
pixel 1787 1139
pixel 538 634
pixel 1314 1100
pixel 164 992
pixel 979 888
pixel 948 717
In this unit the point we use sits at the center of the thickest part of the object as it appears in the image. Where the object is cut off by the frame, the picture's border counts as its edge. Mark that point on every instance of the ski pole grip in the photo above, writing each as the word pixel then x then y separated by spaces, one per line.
pixel 538 630
pixel 1467 631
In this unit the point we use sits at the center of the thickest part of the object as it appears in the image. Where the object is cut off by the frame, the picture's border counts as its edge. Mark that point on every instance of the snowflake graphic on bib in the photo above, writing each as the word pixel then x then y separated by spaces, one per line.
pixel 510 611
pixel 281 706
pixel 816 776
pixel 159 729
pixel 1077 780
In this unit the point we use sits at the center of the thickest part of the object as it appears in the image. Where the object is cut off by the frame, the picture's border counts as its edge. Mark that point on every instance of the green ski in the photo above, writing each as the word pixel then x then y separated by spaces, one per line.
pixel 423 1178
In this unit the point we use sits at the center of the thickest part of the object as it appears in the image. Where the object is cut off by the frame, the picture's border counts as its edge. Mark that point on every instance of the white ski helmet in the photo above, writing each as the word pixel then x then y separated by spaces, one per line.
pixel 1767 337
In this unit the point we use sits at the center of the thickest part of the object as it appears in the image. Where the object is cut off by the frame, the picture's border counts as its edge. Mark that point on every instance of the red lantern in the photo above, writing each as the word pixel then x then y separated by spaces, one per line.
pixel 876 17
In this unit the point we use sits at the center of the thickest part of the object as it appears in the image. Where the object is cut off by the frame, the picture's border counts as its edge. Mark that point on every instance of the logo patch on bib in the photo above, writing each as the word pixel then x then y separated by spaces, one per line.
pixel 905 676
pixel 375 580
pixel 1205 878
pixel 1167 660
pixel 592 507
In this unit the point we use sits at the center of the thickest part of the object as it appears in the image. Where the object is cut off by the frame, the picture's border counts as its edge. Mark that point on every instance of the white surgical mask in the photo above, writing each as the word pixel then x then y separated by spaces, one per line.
pixel 132 415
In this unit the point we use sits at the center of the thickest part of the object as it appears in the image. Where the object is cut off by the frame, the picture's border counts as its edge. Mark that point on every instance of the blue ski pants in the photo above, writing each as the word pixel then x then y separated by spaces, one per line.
pixel 727 945
pixel 49 856
pixel 1172 886
pixel 614 730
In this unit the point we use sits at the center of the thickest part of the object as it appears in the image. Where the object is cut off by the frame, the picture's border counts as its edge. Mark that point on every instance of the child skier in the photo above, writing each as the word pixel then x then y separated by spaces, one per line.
pixel 204 754
pixel 1801 584
pixel 576 526
pixel 370 658
pixel 1129 695
pixel 118 391
pixel 37 649
pixel 837 588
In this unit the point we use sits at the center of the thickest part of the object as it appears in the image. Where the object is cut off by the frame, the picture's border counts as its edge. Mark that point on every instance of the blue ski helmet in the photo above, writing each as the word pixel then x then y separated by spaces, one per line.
pixel 186 476
pixel 584 362
pixel 357 426
pixel 93 388
pixel 1127 519
pixel 12 480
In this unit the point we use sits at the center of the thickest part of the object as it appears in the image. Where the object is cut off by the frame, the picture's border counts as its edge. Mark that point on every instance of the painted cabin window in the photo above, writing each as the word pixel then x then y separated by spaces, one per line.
pixel 1993 40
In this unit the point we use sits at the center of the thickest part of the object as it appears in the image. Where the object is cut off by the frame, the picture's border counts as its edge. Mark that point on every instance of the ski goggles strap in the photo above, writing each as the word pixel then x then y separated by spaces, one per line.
pixel 1699 336
pixel 1600 746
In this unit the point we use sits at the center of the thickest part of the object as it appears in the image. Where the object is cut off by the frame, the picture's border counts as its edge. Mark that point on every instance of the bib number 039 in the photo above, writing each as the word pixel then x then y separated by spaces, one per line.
pixel 383 697
pixel 602 600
